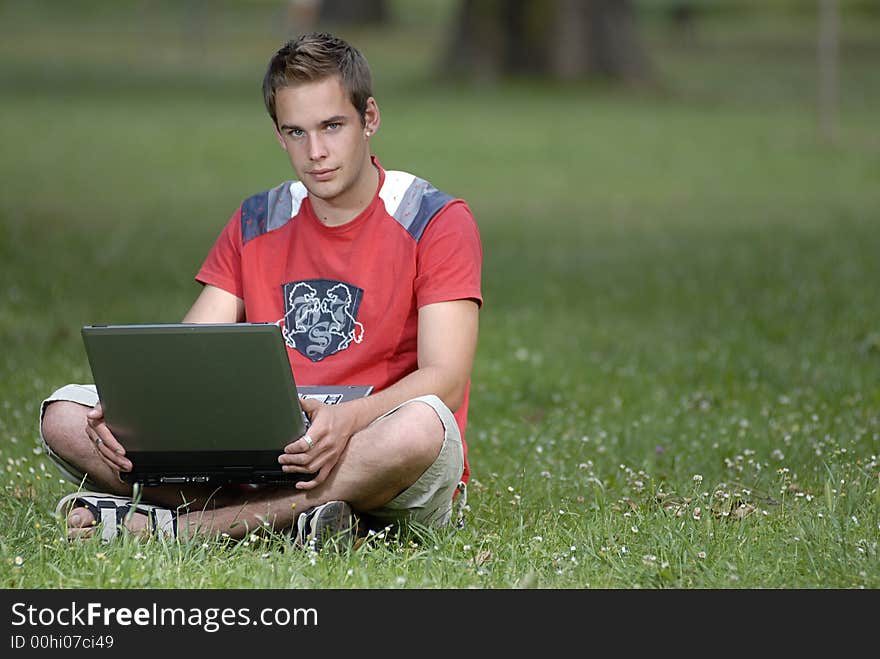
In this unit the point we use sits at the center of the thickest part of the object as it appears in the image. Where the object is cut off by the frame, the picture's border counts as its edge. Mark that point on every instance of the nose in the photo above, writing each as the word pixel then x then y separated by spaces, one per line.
pixel 317 149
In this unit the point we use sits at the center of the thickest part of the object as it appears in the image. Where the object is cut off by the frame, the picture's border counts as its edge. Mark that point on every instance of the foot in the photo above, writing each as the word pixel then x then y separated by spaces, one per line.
pixel 91 513
pixel 81 524
pixel 333 523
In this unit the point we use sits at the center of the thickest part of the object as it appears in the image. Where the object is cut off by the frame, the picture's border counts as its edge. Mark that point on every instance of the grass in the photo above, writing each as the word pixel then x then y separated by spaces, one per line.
pixel 677 378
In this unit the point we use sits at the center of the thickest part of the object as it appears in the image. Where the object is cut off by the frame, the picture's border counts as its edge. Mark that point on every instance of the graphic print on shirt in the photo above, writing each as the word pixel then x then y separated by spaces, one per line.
pixel 320 317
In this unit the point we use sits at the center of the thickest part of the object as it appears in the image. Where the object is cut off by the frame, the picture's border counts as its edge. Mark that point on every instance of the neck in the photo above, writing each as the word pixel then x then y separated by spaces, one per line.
pixel 344 208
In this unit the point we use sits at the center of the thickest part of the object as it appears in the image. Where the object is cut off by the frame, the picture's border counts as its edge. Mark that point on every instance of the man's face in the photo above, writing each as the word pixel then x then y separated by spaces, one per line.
pixel 324 138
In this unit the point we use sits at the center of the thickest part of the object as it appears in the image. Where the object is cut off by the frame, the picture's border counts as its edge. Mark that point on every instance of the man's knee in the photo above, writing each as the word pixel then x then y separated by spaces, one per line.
pixel 63 422
pixel 419 431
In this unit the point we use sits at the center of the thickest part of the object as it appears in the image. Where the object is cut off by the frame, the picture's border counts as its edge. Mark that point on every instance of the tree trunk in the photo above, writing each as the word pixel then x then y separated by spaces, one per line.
pixel 827 51
pixel 562 39
pixel 477 40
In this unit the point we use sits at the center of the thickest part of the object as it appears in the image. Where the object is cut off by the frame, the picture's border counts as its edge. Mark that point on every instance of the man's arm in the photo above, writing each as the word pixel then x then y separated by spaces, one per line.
pixel 446 346
pixel 214 305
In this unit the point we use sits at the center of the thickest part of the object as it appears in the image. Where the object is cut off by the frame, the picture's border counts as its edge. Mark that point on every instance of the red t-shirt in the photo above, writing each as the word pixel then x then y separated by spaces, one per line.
pixel 347 297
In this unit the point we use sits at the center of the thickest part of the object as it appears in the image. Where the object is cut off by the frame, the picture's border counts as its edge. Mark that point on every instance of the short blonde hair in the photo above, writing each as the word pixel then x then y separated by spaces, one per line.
pixel 316 56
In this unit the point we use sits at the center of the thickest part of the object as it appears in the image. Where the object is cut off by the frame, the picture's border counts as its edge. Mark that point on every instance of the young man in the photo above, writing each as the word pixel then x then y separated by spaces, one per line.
pixel 374 278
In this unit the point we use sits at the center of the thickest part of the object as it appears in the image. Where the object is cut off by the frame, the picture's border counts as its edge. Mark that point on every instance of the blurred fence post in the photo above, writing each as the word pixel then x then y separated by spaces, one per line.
pixel 827 51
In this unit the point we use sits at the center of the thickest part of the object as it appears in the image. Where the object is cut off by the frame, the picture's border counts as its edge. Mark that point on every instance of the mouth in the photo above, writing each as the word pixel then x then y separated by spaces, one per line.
pixel 322 174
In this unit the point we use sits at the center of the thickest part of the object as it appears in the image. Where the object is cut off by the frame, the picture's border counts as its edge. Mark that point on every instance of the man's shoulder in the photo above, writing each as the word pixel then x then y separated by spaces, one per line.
pixel 271 209
pixel 412 201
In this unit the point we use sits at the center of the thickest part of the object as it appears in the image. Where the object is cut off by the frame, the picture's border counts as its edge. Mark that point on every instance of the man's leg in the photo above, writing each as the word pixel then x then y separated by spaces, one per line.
pixel 62 425
pixel 378 463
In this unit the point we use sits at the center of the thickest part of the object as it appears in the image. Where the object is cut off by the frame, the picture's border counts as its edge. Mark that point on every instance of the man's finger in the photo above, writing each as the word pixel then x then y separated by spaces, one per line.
pixel 110 456
pixel 110 441
pixel 293 459
pixel 309 485
pixel 309 405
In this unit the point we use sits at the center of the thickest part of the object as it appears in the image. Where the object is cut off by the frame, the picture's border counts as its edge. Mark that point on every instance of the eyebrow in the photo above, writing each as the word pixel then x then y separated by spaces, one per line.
pixel 335 119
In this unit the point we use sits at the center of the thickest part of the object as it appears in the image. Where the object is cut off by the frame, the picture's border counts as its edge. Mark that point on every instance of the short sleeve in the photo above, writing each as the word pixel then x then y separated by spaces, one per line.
pixel 450 257
pixel 222 266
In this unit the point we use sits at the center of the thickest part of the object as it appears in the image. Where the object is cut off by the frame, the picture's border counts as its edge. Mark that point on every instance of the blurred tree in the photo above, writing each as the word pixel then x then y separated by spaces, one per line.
pixel 563 39
pixel 682 16
pixel 827 51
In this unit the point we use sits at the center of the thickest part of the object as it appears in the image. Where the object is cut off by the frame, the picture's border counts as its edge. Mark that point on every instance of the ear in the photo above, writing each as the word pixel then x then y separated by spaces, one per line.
pixel 279 136
pixel 371 117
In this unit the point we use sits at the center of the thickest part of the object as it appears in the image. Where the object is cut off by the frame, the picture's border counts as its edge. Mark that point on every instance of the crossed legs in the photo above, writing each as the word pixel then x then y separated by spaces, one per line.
pixel 378 463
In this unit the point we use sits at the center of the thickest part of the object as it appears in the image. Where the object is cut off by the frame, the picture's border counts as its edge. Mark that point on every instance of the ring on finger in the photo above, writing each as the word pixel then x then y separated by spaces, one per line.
pixel 308 440
pixel 98 441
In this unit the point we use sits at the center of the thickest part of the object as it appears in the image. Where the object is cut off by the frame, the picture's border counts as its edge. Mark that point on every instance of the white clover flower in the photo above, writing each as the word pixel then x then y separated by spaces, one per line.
pixel 698 478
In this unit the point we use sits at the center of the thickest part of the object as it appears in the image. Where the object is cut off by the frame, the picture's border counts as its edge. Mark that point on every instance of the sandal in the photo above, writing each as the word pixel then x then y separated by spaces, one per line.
pixel 110 511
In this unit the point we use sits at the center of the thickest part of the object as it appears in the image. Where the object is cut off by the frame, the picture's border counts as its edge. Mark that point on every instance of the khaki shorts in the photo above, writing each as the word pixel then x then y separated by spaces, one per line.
pixel 428 501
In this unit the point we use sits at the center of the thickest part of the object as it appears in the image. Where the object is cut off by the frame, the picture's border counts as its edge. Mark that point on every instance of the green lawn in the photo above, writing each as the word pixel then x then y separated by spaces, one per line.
pixel 677 378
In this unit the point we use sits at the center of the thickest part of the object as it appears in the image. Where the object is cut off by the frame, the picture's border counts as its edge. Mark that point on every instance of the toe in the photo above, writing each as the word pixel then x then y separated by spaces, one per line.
pixel 80 518
pixel 80 533
pixel 80 524
pixel 138 523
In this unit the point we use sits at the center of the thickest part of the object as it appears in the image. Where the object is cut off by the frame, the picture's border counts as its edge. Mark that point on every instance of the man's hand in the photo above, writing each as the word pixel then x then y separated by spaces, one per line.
pixel 319 449
pixel 110 450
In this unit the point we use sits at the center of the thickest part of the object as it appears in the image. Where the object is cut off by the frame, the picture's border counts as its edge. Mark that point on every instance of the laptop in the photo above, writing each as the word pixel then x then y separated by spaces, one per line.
pixel 202 403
